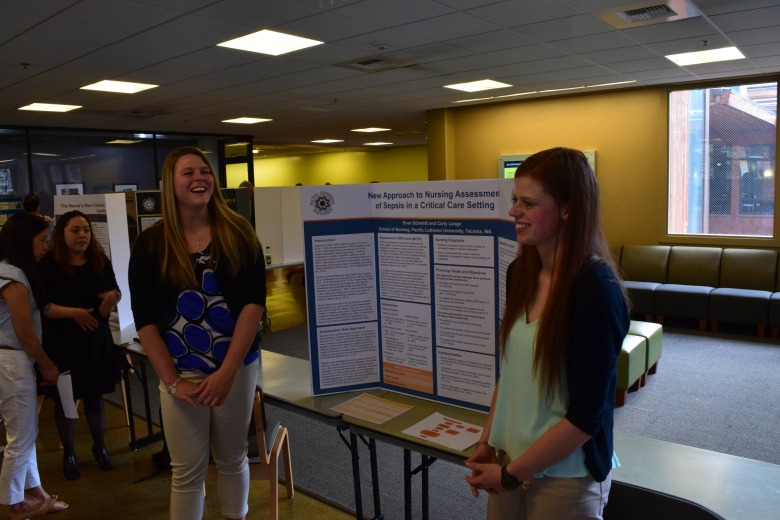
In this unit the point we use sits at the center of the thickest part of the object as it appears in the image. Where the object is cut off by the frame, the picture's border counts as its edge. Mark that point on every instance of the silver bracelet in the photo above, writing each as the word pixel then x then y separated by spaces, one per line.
pixel 172 388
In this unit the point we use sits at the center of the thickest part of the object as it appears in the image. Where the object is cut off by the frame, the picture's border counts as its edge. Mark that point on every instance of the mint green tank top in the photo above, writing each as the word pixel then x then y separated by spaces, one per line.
pixel 521 415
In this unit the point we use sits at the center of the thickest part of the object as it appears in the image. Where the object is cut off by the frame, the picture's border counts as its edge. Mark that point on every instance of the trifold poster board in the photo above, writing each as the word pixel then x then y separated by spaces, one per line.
pixel 107 214
pixel 405 286
pixel 278 223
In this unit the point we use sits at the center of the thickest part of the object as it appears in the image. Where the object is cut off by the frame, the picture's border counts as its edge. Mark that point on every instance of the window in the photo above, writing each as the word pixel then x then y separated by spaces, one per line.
pixel 6 181
pixel 722 160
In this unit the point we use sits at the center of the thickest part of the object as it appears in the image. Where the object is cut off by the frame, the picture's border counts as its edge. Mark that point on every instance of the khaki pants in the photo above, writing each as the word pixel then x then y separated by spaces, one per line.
pixel 193 433
pixel 552 498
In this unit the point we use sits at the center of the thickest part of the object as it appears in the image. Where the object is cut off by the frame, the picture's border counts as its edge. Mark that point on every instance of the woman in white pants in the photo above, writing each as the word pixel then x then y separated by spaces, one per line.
pixel 22 244
pixel 197 284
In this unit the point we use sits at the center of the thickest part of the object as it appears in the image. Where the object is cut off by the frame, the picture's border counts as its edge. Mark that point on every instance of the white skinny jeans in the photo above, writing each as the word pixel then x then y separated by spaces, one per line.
pixel 193 433
pixel 19 408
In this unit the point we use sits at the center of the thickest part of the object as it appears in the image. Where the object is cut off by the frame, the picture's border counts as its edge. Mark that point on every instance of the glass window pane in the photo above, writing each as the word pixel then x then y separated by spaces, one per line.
pixel 14 178
pixel 95 160
pixel 722 160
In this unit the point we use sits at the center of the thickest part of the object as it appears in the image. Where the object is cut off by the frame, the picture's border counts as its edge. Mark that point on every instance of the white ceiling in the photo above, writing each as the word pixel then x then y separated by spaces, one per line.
pixel 531 44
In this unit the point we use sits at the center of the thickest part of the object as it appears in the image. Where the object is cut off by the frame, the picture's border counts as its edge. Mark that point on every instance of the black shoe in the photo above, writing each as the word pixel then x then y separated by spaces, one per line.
pixel 70 468
pixel 102 458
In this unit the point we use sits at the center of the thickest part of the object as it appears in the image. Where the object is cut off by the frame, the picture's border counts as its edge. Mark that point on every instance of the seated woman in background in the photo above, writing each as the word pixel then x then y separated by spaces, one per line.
pixel 81 286
pixel 22 244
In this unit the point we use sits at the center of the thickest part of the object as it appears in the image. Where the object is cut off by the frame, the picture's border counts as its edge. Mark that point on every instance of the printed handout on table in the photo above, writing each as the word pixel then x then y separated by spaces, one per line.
pixel 371 408
pixel 446 431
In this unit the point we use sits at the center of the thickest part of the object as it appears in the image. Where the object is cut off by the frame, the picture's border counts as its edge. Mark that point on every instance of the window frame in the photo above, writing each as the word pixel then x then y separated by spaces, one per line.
pixel 664 203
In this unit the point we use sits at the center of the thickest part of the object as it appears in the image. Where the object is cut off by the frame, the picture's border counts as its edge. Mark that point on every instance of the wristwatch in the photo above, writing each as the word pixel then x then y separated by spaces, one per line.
pixel 508 482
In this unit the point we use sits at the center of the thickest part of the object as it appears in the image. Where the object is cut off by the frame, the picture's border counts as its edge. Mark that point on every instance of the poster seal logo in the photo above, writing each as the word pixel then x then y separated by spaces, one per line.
pixel 149 204
pixel 322 203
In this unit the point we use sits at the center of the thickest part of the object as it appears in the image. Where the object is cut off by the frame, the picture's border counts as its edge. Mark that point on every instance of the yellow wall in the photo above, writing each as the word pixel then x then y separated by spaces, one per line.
pixel 627 129
pixel 403 164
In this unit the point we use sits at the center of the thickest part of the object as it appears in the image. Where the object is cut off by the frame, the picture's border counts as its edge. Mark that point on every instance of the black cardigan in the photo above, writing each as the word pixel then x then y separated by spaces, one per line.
pixel 598 321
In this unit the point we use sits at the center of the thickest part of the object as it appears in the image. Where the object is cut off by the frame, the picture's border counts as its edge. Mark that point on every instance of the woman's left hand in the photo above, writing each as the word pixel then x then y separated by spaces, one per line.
pixel 484 476
pixel 215 388
pixel 108 301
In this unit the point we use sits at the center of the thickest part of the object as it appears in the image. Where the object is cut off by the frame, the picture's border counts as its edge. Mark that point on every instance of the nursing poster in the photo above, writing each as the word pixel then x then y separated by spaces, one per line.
pixel 405 285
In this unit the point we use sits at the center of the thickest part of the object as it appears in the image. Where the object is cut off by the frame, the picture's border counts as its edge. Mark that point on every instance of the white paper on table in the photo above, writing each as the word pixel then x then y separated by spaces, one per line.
pixel 65 389
pixel 446 431
pixel 371 408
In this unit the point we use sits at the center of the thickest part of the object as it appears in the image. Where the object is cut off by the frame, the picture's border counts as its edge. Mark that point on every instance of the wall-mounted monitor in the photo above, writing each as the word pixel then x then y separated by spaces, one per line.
pixel 507 164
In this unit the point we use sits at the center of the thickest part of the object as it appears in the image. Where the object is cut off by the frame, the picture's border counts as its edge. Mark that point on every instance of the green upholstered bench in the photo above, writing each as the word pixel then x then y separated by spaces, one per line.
pixel 631 367
pixel 644 269
pixel 747 281
pixel 694 272
pixel 653 333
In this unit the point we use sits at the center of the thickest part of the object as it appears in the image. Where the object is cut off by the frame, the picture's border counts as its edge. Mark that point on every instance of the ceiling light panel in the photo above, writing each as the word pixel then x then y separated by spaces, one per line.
pixel 269 42
pixel 478 86
pixel 247 120
pixel 49 107
pixel 370 130
pixel 121 87
pixel 709 56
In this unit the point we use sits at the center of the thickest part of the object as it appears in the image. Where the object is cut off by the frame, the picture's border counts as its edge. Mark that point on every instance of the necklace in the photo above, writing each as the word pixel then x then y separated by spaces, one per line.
pixel 198 242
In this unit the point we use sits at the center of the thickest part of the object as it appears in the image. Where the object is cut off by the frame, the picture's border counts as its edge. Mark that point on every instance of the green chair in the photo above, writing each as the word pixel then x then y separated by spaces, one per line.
pixel 653 334
pixel 631 367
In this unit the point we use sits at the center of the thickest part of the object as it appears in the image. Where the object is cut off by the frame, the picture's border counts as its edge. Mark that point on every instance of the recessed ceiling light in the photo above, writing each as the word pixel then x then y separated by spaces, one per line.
pixel 478 86
pixel 50 107
pixel 611 84
pixel 246 120
pixel 328 141
pixel 561 89
pixel 122 87
pixel 370 129
pixel 124 141
pixel 496 97
pixel 709 56
pixel 47 154
pixel 269 42
pixel 378 143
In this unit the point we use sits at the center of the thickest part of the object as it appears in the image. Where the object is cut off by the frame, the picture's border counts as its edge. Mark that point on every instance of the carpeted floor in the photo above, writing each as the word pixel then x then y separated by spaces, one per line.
pixel 716 392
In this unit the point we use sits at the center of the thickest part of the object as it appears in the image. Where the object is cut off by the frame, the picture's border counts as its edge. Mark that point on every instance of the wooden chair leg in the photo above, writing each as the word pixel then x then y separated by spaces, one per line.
pixel 288 467
pixel 653 369
pixel 273 489
pixel 620 396
pixel 761 331
pixel 635 386
pixel 703 325
pixel 643 380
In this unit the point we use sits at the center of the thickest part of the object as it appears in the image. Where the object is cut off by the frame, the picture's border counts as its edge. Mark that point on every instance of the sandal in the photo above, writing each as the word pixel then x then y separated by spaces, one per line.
pixel 40 511
pixel 58 506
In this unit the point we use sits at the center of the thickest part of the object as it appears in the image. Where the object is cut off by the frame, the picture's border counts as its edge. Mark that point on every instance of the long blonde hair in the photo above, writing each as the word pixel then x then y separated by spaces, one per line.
pixel 232 238
pixel 566 176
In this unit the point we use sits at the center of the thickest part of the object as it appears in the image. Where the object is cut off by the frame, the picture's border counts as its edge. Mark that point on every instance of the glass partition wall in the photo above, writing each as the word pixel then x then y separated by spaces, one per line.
pixel 56 161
